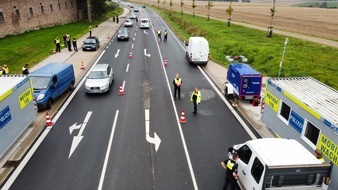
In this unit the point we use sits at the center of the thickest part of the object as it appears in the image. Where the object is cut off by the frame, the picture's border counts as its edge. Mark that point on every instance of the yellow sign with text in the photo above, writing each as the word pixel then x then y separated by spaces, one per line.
pixel 272 101
pixel 25 98
pixel 328 148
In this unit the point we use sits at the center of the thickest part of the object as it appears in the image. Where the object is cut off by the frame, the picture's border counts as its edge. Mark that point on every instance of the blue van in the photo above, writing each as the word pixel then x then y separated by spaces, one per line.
pixel 50 81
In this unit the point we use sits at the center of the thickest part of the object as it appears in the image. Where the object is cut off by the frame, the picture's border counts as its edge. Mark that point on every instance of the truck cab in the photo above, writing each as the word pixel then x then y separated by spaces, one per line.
pixel 275 163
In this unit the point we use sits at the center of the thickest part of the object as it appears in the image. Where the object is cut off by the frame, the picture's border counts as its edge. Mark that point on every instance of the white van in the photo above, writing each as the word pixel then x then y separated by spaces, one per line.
pixel 197 51
pixel 144 23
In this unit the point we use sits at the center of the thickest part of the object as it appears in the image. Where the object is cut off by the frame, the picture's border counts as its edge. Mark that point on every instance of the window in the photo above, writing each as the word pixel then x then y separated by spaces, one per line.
pixel 2 19
pixel 59 6
pixel 42 10
pixel 31 11
pixel 285 111
pixel 257 170
pixel 71 4
pixel 17 13
pixel 311 133
pixel 66 5
pixel 244 153
pixel 51 8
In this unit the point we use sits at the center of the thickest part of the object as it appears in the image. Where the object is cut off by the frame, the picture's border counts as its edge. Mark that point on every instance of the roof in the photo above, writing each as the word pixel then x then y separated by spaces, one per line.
pixel 50 69
pixel 244 69
pixel 317 96
pixel 198 38
pixel 280 151
pixel 10 82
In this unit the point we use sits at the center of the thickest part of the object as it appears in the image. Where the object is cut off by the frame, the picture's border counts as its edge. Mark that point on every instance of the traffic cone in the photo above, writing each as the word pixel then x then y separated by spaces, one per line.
pixel 130 55
pixel 54 52
pixel 108 36
pixel 49 123
pixel 165 62
pixel 121 90
pixel 133 39
pixel 82 66
pixel 158 40
pixel 182 119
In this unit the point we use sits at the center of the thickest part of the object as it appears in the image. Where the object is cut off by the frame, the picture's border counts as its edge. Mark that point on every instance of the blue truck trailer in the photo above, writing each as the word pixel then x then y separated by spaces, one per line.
pixel 243 81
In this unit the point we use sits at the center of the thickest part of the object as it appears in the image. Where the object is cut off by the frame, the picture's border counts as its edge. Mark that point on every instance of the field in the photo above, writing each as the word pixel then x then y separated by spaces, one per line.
pixel 310 21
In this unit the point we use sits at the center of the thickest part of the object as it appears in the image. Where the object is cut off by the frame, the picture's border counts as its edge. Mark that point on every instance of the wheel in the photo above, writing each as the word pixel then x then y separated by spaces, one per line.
pixel 49 103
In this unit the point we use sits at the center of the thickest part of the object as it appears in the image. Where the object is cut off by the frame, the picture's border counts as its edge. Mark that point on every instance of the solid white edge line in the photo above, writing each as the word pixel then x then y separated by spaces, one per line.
pixel 192 174
pixel 36 145
pixel 103 173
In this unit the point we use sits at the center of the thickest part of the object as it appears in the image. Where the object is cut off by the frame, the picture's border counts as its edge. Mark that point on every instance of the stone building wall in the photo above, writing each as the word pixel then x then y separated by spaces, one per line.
pixel 18 16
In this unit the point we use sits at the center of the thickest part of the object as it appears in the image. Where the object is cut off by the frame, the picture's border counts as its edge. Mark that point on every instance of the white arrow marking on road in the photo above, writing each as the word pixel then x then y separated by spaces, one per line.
pixel 77 139
pixel 145 53
pixel 156 140
pixel 117 53
pixel 73 127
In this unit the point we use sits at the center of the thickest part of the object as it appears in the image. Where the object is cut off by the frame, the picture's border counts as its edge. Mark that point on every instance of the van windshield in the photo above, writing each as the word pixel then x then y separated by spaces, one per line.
pixel 144 21
pixel 40 83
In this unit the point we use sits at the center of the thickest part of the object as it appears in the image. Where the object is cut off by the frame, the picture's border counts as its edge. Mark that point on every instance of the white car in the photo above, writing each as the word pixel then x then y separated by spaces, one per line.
pixel 99 79
pixel 144 23
pixel 132 16
pixel 128 23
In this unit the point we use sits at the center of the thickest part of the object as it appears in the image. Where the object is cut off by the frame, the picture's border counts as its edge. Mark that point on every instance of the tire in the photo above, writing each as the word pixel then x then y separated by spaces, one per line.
pixel 49 103
pixel 72 86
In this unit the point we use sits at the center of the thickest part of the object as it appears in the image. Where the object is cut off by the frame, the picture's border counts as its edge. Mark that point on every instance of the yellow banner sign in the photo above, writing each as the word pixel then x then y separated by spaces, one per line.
pixel 328 148
pixel 272 101
pixel 25 98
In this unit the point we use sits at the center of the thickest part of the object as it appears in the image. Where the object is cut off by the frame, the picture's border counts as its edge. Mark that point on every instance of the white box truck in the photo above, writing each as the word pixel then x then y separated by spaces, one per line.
pixel 276 163
pixel 197 51
pixel 17 109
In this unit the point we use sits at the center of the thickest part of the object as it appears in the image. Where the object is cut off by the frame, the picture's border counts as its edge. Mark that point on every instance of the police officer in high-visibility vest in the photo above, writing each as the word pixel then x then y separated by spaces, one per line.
pixel 6 69
pixel 196 99
pixel 90 30
pixel 177 86
pixel 159 34
pixel 57 44
pixel 165 35
pixel 25 69
pixel 231 168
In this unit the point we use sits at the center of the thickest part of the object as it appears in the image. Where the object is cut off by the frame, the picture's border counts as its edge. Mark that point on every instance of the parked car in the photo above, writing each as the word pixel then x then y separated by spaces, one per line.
pixel 91 43
pixel 128 23
pixel 123 34
pixel 99 79
pixel 132 16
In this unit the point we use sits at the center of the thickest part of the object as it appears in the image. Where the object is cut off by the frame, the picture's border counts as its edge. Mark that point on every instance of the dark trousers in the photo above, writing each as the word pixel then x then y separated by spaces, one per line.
pixel 57 47
pixel 195 106
pixel 159 36
pixel 229 180
pixel 69 46
pixel 178 90
pixel 165 38
pixel 75 46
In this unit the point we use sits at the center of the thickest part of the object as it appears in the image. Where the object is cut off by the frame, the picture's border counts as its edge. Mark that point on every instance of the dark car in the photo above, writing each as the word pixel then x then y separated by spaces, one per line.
pixel 122 34
pixel 136 10
pixel 143 6
pixel 91 43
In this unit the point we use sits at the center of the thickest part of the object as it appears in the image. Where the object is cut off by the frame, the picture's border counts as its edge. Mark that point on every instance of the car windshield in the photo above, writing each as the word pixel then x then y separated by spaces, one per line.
pixel 89 41
pixel 40 83
pixel 122 32
pixel 97 75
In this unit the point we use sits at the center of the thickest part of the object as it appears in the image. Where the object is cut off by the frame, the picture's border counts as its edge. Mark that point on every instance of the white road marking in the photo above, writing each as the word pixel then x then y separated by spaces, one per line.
pixel 127 68
pixel 108 152
pixel 156 140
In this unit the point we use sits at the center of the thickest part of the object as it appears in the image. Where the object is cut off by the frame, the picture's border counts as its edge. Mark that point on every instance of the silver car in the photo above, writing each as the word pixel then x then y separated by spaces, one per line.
pixel 123 34
pixel 128 23
pixel 100 79
pixel 132 16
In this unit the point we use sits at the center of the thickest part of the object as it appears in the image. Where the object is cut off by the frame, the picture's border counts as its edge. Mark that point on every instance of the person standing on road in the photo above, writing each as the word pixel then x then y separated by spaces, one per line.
pixel 117 19
pixel 136 19
pixel 57 44
pixel 6 69
pixel 165 35
pixel 231 168
pixel 25 70
pixel 90 30
pixel 68 42
pixel 196 99
pixel 74 44
pixel 65 40
pixel 159 34
pixel 177 86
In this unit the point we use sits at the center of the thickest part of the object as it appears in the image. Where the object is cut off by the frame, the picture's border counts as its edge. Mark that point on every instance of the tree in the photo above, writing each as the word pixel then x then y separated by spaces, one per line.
pixel 171 6
pixel 164 2
pixel 182 3
pixel 208 6
pixel 229 11
pixel 193 8
pixel 273 11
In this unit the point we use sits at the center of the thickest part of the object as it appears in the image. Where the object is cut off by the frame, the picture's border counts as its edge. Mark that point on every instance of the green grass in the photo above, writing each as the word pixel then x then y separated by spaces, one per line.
pixel 302 58
pixel 34 46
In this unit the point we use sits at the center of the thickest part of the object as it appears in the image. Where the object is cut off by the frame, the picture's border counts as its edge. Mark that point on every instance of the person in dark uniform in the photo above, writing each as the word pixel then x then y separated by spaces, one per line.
pixel 159 34
pixel 165 35
pixel 68 42
pixel 25 70
pixel 57 44
pixel 74 44
pixel 231 168
pixel 196 99
pixel 177 86
pixel 117 19
pixel 90 30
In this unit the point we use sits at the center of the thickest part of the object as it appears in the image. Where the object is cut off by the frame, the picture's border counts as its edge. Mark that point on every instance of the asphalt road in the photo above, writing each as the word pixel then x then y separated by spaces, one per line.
pixel 113 132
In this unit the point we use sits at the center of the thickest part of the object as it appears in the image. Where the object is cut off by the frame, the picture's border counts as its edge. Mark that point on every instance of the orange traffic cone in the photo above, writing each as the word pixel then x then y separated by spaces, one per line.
pixel 54 52
pixel 130 55
pixel 165 62
pixel 121 90
pixel 49 123
pixel 133 39
pixel 182 119
pixel 82 66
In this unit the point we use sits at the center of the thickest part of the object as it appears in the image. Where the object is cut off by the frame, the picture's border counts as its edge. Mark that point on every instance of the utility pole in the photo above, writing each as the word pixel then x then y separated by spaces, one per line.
pixel 281 62
pixel 89 12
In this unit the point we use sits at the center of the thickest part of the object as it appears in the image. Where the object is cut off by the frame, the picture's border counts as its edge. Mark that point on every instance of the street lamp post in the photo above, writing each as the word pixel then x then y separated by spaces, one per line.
pixel 281 62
